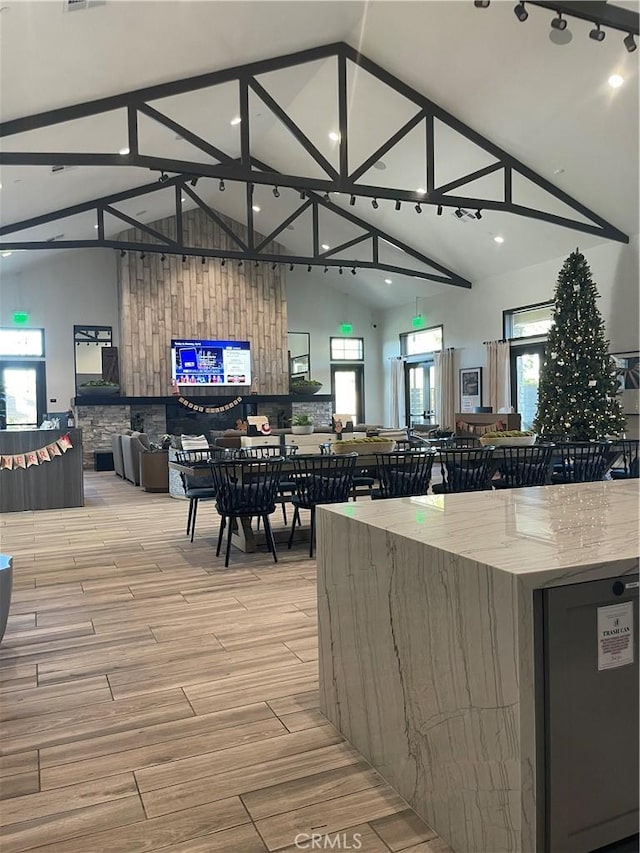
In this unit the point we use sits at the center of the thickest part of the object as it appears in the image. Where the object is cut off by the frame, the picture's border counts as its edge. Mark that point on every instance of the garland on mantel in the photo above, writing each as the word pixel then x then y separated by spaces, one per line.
pixel 210 410
pixel 13 461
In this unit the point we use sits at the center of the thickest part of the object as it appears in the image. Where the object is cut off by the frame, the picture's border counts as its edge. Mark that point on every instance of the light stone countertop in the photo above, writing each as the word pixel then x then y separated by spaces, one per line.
pixel 545 536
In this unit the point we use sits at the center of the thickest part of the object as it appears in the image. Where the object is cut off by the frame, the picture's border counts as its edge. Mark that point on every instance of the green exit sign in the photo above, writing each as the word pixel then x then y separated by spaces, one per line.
pixel 418 321
pixel 20 318
pixel 346 328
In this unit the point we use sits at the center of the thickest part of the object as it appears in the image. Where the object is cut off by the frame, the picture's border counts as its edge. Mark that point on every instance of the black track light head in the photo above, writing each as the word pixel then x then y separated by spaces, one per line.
pixel 308 267
pixel 326 269
pixel 290 267
pixel 481 4
pixel 597 34
pixel 163 178
pixel 439 211
pixel 122 253
pixel 520 12
pixel 327 197
pixel 239 264
pixel 203 261
pixel 478 214
pixel 142 256
pixel 256 265
pixel 276 192
pixel 354 271
pixel 630 43
pixel 302 195
pixel 184 259
pixel 418 208
pixel 340 270
pixel 223 262
pixel 459 213
pixel 559 23
pixel 194 182
pixel 397 205
pixel 374 203
pixel 273 265
pixel 352 200
pixel 221 186
pixel 163 258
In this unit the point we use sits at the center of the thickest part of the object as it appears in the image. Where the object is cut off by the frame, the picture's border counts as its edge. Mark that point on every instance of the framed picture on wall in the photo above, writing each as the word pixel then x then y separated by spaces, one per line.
pixel 470 388
pixel 628 375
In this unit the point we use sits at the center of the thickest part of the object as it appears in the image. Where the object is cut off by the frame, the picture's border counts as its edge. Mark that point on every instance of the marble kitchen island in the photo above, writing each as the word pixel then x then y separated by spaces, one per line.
pixel 443 659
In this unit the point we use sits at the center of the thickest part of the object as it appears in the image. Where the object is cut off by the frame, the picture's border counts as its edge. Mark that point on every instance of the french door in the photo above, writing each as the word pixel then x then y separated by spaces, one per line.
pixel 347 387
pixel 25 394
pixel 420 392
pixel 526 363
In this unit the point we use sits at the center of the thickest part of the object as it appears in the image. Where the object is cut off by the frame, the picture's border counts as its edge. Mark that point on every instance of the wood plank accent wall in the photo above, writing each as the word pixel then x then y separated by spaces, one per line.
pixel 171 299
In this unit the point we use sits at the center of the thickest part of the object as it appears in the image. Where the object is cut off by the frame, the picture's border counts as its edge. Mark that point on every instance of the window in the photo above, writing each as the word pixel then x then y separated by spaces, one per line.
pixel 426 340
pixel 22 342
pixel 528 322
pixel 347 349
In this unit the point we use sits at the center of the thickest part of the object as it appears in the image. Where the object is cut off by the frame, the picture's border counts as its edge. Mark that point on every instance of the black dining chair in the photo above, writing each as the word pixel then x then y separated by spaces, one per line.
pixel 581 461
pixel 465 470
pixel 246 488
pixel 197 487
pixel 320 479
pixel 403 473
pixel 287 486
pixel 628 462
pixel 524 466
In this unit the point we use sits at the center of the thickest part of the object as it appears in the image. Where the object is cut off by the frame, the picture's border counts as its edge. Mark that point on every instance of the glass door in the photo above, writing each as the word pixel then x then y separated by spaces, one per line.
pixel 24 391
pixel 420 393
pixel 526 363
pixel 347 387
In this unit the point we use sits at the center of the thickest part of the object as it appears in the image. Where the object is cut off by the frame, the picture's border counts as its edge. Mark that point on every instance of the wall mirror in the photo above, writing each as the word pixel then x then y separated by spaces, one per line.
pixel 92 347
pixel 299 345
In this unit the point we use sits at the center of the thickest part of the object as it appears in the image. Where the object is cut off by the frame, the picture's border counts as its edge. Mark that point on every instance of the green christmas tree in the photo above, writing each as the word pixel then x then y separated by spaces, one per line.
pixel 577 393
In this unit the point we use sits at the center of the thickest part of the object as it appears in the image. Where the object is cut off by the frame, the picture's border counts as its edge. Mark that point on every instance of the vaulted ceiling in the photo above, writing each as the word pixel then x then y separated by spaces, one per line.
pixel 548 106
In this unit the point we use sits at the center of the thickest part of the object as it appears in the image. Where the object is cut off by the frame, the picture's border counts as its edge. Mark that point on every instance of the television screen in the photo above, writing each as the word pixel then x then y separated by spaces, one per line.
pixel 211 362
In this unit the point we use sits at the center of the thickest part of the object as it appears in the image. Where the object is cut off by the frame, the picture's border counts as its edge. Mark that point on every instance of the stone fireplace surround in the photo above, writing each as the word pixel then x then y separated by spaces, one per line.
pixel 102 417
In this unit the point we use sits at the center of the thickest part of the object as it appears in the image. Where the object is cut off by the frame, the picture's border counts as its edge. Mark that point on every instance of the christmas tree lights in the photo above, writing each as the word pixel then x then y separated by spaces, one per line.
pixel 578 386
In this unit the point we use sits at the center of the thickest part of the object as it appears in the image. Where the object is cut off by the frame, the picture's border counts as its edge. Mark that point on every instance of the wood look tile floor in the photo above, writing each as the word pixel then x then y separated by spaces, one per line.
pixel 151 699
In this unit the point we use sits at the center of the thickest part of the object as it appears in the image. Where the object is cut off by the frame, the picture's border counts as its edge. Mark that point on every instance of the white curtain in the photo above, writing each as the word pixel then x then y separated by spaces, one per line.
pixel 499 374
pixel 396 399
pixel 445 391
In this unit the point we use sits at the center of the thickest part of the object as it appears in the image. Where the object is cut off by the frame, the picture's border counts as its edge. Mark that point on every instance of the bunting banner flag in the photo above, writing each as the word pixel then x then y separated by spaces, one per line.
pixel 12 462
pixel 209 410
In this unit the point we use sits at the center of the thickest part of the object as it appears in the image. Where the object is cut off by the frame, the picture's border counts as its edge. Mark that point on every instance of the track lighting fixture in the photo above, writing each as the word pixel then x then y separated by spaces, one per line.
pixel 302 195
pixel 309 268
pixel 256 264
pixel 326 269
pixel 163 177
pixel 481 4
pixel 203 261
pixel 239 264
pixel 374 203
pixel 352 200
pixel 327 197
pixel 223 262
pixel 520 12
pixel 397 205
pixel 439 211
pixel 184 259
pixel 630 43
pixel 353 271
pixel 163 257
pixel 142 256
pixel 194 181
pixel 276 192
pixel 418 208
pixel 597 34
pixel 273 265
pixel 290 267
pixel 221 186
pixel 340 270
pixel 559 23
pixel 478 214
pixel 459 213
pixel 122 253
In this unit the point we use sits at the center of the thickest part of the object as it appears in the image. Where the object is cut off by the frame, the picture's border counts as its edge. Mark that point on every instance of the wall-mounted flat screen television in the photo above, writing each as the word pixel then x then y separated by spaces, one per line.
pixel 211 362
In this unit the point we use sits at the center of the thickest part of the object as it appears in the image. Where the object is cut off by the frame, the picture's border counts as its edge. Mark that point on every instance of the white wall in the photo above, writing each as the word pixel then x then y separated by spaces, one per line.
pixel 58 292
pixel 315 307
pixel 471 317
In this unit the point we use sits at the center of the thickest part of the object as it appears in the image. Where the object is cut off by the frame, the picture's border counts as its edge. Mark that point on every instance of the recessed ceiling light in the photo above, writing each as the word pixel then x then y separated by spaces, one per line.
pixel 0 185
pixel 96 227
pixel 123 151
pixel 6 254
pixel 559 171
pixel 334 137
pixel 255 208
pixel 421 191
pixel 615 81
pixel 499 239
pixel 183 199
pixel 388 281
pixel 380 164
pixel 325 247
pixel 235 121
